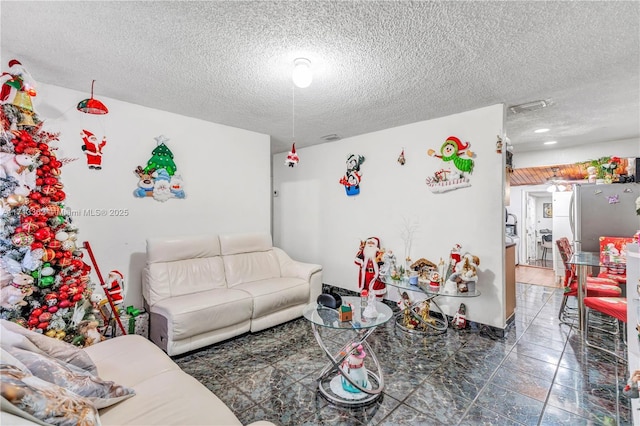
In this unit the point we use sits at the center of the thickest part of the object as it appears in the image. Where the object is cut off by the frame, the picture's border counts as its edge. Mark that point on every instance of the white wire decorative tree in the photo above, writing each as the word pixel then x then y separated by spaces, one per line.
pixel 407 232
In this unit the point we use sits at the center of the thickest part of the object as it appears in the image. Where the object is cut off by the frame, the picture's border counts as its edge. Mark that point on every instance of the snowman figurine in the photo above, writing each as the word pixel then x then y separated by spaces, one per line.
pixel 353 366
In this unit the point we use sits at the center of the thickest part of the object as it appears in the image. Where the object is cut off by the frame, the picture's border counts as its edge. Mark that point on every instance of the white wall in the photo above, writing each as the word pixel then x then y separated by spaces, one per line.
pixel 314 220
pixel 226 175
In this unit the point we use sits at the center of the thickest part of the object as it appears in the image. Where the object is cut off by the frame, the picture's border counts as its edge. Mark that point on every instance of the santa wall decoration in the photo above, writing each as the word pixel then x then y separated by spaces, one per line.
pixel 292 157
pixel 92 149
pixel 351 179
pixel 454 169
pixel 369 260
pixel 159 178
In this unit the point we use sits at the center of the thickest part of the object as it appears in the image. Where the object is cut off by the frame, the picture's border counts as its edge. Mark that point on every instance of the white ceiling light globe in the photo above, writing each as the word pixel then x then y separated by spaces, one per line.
pixel 302 75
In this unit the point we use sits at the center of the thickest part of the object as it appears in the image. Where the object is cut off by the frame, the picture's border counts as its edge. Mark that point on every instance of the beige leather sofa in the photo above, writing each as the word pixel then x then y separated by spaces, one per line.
pixel 205 289
pixel 164 394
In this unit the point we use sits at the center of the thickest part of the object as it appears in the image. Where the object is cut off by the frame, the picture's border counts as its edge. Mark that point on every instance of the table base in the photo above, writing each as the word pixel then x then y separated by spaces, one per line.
pixel 333 391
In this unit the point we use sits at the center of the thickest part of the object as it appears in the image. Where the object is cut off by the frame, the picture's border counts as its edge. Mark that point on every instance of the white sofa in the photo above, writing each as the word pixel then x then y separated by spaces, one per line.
pixel 205 289
pixel 164 394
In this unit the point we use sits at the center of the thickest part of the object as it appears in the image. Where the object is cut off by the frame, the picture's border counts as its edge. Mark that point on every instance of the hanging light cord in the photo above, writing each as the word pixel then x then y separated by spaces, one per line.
pixel 293 113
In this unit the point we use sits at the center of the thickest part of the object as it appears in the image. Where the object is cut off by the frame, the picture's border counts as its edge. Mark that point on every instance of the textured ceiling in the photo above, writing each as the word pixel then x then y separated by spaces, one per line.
pixel 376 64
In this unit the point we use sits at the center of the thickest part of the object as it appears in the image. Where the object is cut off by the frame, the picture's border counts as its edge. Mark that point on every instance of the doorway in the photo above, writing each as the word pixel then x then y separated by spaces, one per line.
pixel 538 225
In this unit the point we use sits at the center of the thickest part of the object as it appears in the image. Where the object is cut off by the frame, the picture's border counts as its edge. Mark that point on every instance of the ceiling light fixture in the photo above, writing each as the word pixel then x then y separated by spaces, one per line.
pixel 551 142
pixel 91 105
pixel 541 130
pixel 529 106
pixel 302 74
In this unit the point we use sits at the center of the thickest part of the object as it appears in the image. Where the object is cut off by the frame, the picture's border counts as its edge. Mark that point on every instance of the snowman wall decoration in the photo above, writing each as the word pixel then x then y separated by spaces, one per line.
pixel 454 170
pixel 351 179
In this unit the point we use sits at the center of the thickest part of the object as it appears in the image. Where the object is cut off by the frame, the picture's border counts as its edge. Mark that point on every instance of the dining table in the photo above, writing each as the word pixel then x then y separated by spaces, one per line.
pixel 583 262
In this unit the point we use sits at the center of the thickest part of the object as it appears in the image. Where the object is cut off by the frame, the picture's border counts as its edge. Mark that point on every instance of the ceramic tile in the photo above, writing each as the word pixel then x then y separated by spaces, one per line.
pixel 479 415
pixel 515 406
pixel 459 377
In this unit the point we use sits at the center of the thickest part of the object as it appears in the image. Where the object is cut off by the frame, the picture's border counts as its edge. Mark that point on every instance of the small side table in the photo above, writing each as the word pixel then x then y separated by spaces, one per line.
pixel 329 379
pixel 418 310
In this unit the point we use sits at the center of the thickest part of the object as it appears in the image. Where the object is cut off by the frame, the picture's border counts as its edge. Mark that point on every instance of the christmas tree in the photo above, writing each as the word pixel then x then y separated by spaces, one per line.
pixel 44 284
pixel 161 158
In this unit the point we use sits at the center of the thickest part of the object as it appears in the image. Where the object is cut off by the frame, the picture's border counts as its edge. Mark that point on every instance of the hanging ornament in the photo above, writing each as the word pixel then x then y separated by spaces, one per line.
pixel 401 158
pixel 292 157
pixel 92 149
pixel 92 105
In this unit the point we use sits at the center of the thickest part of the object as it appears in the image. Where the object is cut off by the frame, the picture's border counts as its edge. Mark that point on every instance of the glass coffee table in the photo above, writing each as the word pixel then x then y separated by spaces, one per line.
pixel 415 317
pixel 330 380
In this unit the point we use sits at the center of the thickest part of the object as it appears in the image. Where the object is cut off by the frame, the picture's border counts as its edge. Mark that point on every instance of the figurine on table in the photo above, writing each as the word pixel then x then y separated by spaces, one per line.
pixel 353 366
pixel 460 318
pixel 369 260
pixel 631 388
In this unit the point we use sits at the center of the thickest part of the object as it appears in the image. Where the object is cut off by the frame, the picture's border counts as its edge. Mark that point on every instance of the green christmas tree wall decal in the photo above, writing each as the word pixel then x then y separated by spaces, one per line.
pixel 159 178
pixel 161 157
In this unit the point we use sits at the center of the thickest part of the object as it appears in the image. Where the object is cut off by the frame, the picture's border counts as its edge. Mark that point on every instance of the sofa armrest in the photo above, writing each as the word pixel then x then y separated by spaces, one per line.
pixel 309 272
pixel 293 268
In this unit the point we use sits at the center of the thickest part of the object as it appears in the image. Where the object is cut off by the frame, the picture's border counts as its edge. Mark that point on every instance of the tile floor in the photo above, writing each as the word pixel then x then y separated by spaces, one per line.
pixel 540 373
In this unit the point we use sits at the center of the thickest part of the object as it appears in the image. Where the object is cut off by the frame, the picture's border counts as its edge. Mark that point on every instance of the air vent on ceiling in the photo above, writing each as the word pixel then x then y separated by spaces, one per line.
pixel 330 138
pixel 529 106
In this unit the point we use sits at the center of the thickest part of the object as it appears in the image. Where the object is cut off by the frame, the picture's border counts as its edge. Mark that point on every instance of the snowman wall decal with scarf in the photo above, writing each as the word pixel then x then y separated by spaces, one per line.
pixel 454 170
pixel 351 179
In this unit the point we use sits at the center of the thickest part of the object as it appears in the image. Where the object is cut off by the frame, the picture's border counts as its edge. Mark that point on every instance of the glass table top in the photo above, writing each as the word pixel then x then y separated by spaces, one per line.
pixel 585 258
pixel 327 317
pixel 403 284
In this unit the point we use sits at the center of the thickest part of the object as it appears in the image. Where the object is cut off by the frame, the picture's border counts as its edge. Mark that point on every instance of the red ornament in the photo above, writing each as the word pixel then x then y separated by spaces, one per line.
pixel 48 189
pixel 29 227
pixel 64 262
pixel 44 159
pixel 76 297
pixel 33 321
pixel 54 244
pixel 59 195
pixel 35 195
pixel 37 312
pixel 45 317
pixel 51 180
pixel 45 200
pixel 53 309
pixel 52 210
pixel 36 245
pixel 43 234
pixel 43 325
pixel 48 255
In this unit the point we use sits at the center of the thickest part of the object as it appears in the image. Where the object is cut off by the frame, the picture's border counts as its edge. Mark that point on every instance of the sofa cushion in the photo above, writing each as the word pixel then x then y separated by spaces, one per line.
pixel 102 393
pixel 129 359
pixel 172 250
pixel 272 295
pixel 188 276
pixel 170 398
pixel 245 243
pixel 248 267
pixel 193 314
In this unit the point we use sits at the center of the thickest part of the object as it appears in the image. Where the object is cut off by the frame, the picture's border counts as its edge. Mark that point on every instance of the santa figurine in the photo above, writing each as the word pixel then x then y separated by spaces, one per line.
pixel 115 287
pixel 369 260
pixel 460 318
pixel 93 149
pixel 292 157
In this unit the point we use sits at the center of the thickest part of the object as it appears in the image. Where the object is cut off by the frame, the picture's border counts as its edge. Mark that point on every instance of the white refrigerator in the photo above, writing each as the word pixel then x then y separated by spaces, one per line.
pixel 603 210
pixel 561 226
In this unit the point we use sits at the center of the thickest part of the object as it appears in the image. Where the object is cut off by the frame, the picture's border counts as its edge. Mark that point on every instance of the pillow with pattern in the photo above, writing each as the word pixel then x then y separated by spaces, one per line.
pixel 101 392
pixel 43 400
pixel 16 335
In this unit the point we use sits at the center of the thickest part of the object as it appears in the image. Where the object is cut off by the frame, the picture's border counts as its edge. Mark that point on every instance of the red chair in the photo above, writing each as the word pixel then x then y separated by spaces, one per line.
pixel 596 286
pixel 614 307
pixel 613 260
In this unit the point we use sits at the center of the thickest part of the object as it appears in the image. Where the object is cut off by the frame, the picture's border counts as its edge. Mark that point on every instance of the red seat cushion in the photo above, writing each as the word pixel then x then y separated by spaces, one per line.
pixel 612 306
pixel 595 290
